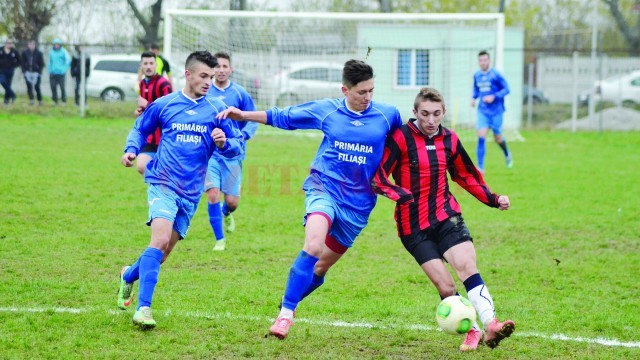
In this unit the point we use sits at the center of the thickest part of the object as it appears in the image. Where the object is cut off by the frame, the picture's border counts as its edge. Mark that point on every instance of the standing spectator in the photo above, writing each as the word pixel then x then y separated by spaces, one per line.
pixel 32 63
pixel 59 62
pixel 9 60
pixel 76 68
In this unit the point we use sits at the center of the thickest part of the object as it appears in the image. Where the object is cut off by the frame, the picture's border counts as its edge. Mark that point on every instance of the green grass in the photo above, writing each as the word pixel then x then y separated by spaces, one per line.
pixel 71 216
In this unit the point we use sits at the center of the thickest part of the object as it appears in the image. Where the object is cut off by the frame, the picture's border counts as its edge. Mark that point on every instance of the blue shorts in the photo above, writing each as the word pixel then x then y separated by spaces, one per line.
pixel 225 175
pixel 346 224
pixel 493 122
pixel 165 203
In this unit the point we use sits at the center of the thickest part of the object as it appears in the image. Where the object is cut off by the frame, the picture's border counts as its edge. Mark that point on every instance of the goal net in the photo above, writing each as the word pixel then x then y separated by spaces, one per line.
pixel 289 58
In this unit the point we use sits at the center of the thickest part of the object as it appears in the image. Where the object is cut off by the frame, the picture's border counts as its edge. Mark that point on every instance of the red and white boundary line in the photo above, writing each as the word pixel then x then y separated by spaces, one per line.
pixel 364 325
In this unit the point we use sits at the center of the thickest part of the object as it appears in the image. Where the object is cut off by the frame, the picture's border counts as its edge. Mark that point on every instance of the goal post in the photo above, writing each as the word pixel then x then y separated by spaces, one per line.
pixel 284 58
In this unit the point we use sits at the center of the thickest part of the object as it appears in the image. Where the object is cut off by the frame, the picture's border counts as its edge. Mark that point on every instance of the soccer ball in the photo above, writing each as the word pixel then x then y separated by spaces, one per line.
pixel 455 315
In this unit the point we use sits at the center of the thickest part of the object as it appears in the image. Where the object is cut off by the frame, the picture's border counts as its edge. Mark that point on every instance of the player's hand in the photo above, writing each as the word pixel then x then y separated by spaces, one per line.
pixel 231 113
pixel 219 137
pixel 127 159
pixel 503 202
pixel 142 102
pixel 138 111
pixel 488 99
pixel 473 103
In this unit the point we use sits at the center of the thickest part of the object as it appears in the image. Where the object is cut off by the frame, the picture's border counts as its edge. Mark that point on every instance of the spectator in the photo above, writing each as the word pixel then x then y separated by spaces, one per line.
pixel 76 70
pixel 59 62
pixel 32 63
pixel 9 60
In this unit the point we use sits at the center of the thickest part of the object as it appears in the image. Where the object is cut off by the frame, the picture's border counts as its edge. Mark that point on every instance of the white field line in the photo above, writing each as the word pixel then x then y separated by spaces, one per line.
pixel 364 325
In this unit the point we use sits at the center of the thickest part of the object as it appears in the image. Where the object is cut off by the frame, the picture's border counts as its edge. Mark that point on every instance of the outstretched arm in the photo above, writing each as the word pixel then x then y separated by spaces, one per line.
pixel 465 173
pixel 380 182
pixel 239 115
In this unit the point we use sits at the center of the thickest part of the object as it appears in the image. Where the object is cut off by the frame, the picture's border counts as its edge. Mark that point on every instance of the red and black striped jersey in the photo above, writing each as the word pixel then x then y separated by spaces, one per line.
pixel 419 165
pixel 155 88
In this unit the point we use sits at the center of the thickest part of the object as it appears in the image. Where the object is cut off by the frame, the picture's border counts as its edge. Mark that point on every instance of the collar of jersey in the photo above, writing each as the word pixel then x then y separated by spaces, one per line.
pixel 413 127
pixel 195 101
pixel 359 113
pixel 222 89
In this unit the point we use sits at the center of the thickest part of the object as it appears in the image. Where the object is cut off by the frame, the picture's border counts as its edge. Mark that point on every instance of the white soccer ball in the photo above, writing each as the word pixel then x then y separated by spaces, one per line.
pixel 455 315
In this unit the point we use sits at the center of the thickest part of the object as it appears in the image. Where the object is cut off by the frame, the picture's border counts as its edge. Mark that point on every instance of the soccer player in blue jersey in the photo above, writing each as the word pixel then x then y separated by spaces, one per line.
pixel 190 134
pixel 226 173
pixel 490 88
pixel 339 197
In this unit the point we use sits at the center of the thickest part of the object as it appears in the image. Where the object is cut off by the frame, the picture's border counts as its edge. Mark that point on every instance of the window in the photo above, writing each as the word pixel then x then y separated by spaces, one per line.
pixel 318 74
pixel 412 68
pixel 118 66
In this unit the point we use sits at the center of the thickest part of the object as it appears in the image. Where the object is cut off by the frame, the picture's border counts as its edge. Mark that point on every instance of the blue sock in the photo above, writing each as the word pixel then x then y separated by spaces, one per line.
pixel 300 278
pixel 480 151
pixel 503 146
pixel 225 209
pixel 133 272
pixel 215 218
pixel 316 282
pixel 149 270
pixel 473 281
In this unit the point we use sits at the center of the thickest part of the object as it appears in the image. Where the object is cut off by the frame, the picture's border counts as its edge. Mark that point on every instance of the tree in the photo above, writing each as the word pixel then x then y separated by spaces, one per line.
pixel 25 19
pixel 151 26
pixel 631 33
pixel 238 5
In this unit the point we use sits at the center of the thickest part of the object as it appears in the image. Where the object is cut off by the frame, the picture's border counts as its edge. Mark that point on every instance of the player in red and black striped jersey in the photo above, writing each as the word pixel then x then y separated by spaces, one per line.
pixel 418 157
pixel 152 87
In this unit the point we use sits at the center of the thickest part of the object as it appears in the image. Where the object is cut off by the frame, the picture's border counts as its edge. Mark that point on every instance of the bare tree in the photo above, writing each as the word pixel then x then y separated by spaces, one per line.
pixel 386 6
pixel 238 5
pixel 151 25
pixel 25 19
pixel 631 33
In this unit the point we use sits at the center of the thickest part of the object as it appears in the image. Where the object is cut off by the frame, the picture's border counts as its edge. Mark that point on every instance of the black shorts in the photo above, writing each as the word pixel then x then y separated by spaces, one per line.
pixel 433 242
pixel 149 148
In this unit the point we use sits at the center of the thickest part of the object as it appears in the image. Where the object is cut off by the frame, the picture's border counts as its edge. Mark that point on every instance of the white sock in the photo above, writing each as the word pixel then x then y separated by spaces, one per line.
pixel 482 301
pixel 284 312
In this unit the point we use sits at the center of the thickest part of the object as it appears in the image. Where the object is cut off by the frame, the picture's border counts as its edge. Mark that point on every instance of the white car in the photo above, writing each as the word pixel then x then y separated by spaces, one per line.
pixel 303 81
pixel 113 77
pixel 623 89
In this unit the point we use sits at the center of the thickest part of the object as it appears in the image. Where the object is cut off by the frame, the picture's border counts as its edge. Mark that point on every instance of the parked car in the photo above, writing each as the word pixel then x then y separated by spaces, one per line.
pixel 303 81
pixel 113 77
pixel 537 96
pixel 620 88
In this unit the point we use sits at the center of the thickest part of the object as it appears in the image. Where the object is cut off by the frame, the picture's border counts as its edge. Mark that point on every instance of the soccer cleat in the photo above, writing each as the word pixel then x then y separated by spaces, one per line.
pixel 471 341
pixel 509 161
pixel 143 318
pixel 125 291
pixel 230 223
pixel 496 331
pixel 220 245
pixel 280 328
pixel 280 308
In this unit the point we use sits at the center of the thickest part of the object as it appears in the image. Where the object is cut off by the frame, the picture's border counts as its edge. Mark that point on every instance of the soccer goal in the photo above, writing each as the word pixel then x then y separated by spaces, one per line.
pixel 285 58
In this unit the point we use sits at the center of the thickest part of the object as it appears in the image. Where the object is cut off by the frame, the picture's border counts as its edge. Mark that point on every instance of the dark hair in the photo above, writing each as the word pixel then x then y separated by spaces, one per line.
pixel 154 46
pixel 222 54
pixel 483 52
pixel 356 71
pixel 147 54
pixel 428 94
pixel 204 57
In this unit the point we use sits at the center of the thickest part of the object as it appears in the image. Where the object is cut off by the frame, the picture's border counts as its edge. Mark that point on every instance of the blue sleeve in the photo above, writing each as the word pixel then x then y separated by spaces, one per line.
pixel 67 59
pixel 476 91
pixel 145 124
pixel 304 116
pixel 249 129
pixel 233 145
pixel 502 84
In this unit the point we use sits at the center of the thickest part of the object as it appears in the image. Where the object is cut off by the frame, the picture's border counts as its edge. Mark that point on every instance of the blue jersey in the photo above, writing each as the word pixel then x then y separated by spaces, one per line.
pixel 235 95
pixel 183 153
pixel 350 151
pixel 490 83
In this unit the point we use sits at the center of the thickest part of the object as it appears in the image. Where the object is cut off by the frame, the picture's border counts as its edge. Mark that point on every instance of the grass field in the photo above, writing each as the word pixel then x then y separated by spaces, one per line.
pixel 563 263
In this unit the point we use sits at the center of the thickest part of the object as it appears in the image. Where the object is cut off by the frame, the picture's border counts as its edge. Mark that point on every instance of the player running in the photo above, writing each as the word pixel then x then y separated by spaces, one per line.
pixel 226 173
pixel 428 217
pixel 339 198
pixel 190 134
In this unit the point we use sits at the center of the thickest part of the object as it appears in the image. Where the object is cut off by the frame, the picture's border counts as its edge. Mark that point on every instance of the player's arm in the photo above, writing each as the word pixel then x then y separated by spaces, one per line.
pixel 232 145
pixel 144 125
pixel 390 158
pixel 502 85
pixel 465 174
pixel 475 92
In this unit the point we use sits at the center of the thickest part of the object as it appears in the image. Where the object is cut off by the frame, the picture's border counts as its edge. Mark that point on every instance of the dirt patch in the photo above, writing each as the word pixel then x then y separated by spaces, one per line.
pixel 616 119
